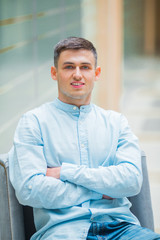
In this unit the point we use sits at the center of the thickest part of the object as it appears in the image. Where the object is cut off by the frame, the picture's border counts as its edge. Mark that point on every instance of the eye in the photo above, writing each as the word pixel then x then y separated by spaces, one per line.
pixel 68 67
pixel 85 67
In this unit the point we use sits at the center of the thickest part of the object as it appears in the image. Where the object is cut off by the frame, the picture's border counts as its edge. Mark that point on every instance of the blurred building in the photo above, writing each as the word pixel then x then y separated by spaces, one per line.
pixel 127 36
pixel 140 100
pixel 28 32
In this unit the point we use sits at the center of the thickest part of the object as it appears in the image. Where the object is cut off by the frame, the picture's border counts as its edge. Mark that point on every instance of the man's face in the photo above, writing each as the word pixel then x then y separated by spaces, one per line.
pixel 75 74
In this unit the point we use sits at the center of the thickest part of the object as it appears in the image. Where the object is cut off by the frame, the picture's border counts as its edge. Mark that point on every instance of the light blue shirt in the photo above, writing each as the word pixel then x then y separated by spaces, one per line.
pixel 99 156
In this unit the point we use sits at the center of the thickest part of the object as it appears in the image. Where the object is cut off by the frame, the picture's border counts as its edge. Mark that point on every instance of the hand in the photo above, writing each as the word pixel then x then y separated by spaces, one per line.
pixel 53 172
pixel 107 197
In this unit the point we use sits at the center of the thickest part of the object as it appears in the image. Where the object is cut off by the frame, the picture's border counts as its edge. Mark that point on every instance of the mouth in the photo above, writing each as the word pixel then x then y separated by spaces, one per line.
pixel 77 84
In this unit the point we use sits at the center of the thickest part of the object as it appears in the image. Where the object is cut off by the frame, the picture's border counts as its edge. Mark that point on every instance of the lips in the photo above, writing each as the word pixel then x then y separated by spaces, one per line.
pixel 77 84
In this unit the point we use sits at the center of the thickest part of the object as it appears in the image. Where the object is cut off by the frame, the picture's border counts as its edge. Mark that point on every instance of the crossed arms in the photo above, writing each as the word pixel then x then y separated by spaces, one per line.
pixel 55 173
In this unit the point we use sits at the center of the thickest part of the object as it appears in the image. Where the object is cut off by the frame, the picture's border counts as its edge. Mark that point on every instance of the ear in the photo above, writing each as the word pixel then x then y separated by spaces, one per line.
pixel 54 73
pixel 97 73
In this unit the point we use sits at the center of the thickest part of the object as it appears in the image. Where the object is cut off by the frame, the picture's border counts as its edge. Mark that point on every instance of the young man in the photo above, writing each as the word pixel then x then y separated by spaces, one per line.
pixel 74 162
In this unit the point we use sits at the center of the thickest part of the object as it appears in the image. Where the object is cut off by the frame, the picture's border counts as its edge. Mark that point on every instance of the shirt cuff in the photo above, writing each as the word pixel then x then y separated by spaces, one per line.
pixel 96 196
pixel 67 172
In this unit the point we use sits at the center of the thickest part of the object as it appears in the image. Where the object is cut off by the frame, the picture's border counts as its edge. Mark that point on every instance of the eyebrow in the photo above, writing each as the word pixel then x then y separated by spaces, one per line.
pixel 87 63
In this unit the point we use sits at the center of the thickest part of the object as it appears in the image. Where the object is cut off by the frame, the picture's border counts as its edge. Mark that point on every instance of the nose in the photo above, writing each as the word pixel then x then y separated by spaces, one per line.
pixel 77 74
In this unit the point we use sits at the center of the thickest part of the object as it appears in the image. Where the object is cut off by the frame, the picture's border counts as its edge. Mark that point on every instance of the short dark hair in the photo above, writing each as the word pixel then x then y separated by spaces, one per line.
pixel 73 43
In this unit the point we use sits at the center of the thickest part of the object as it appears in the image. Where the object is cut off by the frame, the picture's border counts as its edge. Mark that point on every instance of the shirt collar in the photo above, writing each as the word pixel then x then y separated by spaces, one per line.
pixel 71 108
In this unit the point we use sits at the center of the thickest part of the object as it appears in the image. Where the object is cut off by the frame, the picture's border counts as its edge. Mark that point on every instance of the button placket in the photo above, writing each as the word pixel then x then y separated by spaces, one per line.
pixel 83 140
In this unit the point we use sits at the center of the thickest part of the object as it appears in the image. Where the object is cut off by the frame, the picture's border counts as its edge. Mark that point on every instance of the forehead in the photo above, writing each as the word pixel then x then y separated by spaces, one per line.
pixel 76 56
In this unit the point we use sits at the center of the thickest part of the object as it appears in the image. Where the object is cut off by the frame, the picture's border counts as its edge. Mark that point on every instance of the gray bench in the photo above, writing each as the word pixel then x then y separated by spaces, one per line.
pixel 16 221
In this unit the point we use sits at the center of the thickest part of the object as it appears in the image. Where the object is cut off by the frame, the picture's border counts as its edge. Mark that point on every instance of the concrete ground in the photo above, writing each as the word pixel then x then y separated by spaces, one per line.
pixel 141 105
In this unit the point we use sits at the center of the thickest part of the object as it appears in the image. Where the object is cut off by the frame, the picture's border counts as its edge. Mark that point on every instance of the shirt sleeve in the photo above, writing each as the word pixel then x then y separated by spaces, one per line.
pixel 27 168
pixel 123 178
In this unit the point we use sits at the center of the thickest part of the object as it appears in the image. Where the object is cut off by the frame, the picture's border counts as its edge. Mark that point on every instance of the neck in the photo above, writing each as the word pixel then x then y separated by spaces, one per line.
pixel 76 102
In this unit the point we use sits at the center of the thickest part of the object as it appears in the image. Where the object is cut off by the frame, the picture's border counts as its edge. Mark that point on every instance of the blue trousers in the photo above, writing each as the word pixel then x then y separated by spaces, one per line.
pixel 120 231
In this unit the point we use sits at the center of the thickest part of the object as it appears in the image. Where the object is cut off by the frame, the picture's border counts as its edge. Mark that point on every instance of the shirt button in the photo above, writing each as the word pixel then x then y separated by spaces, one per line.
pixel 30 187
pixel 82 145
pixel 74 108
